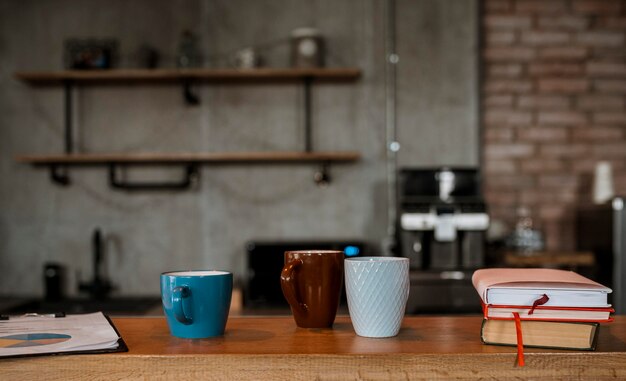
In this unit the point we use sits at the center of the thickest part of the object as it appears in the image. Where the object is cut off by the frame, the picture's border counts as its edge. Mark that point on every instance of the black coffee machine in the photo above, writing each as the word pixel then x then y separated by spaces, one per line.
pixel 442 220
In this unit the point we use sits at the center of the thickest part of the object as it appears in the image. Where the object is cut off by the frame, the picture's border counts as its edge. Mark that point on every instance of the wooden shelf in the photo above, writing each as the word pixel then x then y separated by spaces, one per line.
pixel 196 158
pixel 177 75
pixel 550 259
pixel 59 164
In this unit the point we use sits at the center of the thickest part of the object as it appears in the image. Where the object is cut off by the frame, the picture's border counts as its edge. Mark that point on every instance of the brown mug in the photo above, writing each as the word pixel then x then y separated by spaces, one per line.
pixel 311 281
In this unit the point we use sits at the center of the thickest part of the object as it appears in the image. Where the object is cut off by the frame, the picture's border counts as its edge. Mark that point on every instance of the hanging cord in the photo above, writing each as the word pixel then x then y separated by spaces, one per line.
pixel 392 146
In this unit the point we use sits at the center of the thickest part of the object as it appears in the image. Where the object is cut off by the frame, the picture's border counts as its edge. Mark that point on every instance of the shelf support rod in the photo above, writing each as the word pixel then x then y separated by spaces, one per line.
pixel 308 144
pixel 59 174
pixel 69 144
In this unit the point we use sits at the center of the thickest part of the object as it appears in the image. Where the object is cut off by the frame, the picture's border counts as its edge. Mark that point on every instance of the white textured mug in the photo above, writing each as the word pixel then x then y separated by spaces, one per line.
pixel 377 289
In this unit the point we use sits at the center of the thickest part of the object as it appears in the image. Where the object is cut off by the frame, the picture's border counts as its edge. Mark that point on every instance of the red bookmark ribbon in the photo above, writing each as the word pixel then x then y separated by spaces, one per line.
pixel 518 328
pixel 520 342
pixel 539 302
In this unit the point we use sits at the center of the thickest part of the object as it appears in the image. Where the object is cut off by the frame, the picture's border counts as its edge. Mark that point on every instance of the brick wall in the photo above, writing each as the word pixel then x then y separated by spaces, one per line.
pixel 554 104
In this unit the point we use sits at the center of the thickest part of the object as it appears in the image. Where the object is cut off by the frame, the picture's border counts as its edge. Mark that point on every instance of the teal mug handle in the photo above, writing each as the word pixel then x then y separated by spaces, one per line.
pixel 178 294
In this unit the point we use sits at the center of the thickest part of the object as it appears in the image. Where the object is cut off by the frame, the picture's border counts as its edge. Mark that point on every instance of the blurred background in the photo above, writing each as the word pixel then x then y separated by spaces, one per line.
pixel 486 133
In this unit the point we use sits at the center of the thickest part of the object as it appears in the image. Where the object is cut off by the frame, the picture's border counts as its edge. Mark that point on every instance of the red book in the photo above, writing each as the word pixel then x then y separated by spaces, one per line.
pixel 563 314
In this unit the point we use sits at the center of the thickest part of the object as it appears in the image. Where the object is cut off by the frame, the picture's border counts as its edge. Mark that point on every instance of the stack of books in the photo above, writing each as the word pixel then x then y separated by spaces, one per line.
pixel 537 307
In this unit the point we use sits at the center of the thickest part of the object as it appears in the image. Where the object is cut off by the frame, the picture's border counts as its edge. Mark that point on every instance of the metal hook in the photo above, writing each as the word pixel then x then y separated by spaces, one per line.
pixel 190 98
pixel 322 176
pixel 58 176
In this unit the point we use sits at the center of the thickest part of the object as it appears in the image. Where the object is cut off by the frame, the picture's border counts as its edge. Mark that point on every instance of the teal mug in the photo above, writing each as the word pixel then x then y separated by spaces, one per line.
pixel 196 303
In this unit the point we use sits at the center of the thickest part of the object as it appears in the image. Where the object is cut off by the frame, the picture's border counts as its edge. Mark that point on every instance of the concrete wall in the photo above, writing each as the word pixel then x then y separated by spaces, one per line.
pixel 147 233
pixel 438 83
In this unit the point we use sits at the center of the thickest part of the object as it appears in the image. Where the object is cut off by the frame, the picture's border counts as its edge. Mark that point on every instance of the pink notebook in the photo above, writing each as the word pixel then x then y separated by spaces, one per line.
pixel 522 287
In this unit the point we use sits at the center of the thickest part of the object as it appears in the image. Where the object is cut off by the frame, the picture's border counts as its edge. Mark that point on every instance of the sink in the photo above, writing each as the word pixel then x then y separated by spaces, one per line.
pixel 111 306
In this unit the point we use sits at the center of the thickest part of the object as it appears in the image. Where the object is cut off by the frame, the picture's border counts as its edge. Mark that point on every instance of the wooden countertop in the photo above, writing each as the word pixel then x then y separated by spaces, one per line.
pixel 274 348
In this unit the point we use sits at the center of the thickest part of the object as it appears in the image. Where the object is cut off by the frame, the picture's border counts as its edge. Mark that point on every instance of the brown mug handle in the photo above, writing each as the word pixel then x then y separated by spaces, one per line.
pixel 288 284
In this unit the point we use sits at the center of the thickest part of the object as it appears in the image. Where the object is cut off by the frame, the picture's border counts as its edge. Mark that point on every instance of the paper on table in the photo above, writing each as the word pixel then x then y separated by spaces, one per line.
pixel 31 335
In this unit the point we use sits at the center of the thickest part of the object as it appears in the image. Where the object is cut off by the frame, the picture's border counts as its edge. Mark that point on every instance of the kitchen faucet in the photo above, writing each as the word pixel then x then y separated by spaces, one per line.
pixel 98 287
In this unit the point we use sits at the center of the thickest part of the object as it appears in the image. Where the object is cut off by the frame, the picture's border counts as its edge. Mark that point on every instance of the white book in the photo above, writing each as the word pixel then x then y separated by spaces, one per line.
pixel 522 287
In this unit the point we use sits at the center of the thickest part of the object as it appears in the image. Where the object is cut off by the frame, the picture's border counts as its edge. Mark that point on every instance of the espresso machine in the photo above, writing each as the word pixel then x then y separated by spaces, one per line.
pixel 443 222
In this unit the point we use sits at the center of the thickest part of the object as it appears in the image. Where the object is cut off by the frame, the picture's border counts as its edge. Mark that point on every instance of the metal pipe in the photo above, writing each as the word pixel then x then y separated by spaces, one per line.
pixel 392 146
pixel 308 144
pixel 619 253
pixel 69 146
pixel 97 255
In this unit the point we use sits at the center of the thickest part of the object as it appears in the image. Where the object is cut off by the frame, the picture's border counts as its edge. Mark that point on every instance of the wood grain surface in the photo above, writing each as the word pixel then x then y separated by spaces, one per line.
pixel 274 348
pixel 199 74
pixel 550 259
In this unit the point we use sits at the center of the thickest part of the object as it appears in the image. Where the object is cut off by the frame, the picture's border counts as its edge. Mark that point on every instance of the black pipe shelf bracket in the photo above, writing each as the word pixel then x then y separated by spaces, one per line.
pixel 322 176
pixel 191 175
pixel 308 127
pixel 191 98
pixel 190 178
pixel 59 175
pixel 68 116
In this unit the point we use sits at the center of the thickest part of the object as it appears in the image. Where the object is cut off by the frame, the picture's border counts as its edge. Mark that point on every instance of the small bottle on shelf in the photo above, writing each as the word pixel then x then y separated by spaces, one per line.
pixel 526 239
